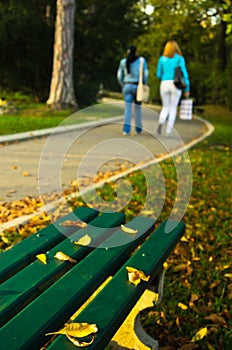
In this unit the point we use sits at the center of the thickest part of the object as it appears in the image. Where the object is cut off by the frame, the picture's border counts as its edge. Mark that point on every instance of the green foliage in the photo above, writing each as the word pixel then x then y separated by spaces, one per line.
pixel 26 47
pixel 103 30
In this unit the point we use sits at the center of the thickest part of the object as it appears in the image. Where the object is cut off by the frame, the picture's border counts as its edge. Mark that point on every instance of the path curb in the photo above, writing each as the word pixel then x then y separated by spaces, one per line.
pixel 53 205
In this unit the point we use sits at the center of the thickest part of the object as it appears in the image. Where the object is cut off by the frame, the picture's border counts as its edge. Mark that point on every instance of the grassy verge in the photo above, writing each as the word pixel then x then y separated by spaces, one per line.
pixel 23 114
pixel 197 295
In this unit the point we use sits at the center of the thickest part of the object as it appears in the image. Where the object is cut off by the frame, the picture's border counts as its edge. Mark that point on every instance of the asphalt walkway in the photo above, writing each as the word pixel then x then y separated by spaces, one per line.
pixel 40 162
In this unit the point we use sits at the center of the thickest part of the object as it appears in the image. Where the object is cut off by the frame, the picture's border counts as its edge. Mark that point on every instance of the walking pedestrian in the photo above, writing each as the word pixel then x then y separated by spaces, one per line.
pixel 128 78
pixel 170 94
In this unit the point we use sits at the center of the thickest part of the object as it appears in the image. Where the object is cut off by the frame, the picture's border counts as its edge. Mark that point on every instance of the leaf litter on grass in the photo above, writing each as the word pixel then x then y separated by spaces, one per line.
pixel 198 276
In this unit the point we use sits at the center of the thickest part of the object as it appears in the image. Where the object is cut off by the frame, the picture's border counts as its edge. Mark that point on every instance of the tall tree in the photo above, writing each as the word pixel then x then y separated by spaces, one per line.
pixel 62 89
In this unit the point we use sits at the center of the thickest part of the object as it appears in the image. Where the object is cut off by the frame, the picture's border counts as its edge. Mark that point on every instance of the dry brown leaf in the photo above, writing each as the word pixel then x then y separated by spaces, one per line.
pixel 217 319
pixel 84 241
pixel 128 229
pixel 63 256
pixel 77 223
pixel 42 258
pixel 135 276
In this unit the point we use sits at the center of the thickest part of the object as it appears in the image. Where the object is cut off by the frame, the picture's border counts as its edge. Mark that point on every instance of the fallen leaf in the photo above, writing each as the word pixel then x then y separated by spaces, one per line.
pixel 4 238
pixel 80 344
pixel 42 258
pixel 84 241
pixel 62 256
pixel 147 212
pixel 182 306
pixel 77 223
pixel 135 276
pixel 217 319
pixel 77 330
pixel 128 229
pixel 14 167
pixel 199 335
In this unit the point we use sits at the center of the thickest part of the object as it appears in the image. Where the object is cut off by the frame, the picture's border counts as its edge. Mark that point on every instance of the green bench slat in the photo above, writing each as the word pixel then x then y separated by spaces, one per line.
pixel 28 283
pixel 111 306
pixel 24 252
pixel 54 306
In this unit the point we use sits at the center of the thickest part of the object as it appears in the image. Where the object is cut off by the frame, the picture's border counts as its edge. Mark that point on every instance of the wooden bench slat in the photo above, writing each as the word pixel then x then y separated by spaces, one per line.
pixel 28 283
pixel 111 306
pixel 55 305
pixel 17 257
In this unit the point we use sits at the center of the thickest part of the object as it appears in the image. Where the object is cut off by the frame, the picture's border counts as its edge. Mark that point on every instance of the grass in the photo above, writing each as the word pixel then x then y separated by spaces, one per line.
pixel 198 272
pixel 198 283
pixel 23 114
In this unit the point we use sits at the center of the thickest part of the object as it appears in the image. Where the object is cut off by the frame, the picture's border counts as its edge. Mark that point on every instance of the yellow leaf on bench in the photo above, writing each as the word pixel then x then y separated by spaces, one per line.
pixel 135 276
pixel 80 344
pixel 62 256
pixel 77 330
pixel 128 229
pixel 85 240
pixel 42 258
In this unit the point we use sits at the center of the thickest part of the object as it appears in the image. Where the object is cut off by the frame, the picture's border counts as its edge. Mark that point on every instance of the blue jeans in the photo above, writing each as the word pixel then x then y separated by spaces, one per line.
pixel 129 94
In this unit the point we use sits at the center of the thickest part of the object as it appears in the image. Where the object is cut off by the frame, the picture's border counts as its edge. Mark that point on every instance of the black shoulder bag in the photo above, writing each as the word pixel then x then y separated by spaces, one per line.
pixel 179 78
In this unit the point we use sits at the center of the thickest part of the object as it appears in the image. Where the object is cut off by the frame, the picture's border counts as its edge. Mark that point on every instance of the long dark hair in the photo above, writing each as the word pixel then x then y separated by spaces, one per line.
pixel 132 56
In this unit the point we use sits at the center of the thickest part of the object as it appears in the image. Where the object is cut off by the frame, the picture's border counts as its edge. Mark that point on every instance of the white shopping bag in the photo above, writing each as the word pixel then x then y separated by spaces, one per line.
pixel 186 109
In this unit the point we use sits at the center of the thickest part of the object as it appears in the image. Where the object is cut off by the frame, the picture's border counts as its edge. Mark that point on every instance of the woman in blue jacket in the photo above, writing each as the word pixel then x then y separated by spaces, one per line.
pixel 170 95
pixel 128 78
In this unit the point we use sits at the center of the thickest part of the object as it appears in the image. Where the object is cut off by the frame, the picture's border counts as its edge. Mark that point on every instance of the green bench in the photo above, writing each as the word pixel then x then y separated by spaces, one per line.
pixel 38 298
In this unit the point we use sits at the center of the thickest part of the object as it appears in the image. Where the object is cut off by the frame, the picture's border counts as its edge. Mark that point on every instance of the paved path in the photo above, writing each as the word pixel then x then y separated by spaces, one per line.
pixel 35 164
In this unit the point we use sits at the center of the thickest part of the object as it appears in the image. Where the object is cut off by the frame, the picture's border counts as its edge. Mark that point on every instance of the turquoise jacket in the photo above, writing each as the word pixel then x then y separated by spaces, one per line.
pixel 166 68
pixel 123 77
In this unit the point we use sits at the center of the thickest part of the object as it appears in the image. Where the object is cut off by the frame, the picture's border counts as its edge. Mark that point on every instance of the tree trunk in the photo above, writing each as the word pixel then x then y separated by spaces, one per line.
pixel 61 89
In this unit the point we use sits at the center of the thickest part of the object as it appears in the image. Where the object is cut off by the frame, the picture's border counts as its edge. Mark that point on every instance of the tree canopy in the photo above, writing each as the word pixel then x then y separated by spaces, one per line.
pixel 103 30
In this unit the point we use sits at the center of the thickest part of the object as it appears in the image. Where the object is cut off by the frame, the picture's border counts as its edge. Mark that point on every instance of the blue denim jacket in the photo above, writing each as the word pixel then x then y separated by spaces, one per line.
pixel 166 67
pixel 123 77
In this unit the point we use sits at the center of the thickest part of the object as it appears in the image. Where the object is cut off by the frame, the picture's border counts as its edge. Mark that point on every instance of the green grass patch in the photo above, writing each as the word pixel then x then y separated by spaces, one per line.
pixel 23 114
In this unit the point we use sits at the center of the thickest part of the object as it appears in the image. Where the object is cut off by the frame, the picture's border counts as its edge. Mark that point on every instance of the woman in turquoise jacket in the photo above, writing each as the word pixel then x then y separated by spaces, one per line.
pixel 170 95
pixel 128 78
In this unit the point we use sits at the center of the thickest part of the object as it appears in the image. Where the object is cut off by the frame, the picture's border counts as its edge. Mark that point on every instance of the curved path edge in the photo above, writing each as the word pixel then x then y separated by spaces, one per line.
pixel 53 205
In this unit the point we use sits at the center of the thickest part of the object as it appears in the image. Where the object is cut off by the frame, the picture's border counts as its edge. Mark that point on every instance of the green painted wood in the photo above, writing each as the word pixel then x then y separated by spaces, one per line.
pixel 24 252
pixel 111 306
pixel 54 306
pixel 24 286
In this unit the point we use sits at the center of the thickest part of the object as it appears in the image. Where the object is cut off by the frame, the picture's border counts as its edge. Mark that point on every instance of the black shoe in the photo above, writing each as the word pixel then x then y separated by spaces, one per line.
pixel 159 129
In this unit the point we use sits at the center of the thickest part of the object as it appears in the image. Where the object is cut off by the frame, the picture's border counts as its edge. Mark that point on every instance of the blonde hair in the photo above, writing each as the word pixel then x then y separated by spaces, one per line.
pixel 171 48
